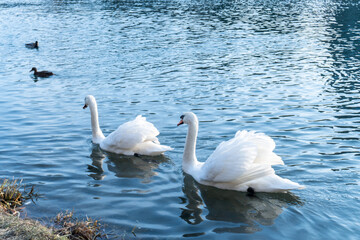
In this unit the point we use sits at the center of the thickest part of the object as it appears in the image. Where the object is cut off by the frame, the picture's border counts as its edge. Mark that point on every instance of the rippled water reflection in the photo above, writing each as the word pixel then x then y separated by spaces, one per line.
pixel 287 68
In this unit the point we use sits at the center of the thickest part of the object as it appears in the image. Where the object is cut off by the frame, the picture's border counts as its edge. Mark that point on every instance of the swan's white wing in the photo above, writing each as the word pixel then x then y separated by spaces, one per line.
pixel 234 159
pixel 265 146
pixel 229 161
pixel 131 133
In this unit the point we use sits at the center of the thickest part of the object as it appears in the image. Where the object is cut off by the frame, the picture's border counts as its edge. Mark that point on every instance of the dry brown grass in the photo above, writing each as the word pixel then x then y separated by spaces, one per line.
pixel 11 197
pixel 76 229
pixel 13 194
pixel 14 228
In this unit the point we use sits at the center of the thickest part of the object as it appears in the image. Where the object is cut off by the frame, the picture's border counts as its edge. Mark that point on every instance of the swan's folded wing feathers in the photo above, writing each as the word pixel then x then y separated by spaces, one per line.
pixel 123 138
pixel 265 147
pixel 260 139
pixel 131 133
pixel 230 160
pixel 255 172
pixel 234 158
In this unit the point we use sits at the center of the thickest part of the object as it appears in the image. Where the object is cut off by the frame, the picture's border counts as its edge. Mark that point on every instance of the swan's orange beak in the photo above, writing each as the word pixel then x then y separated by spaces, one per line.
pixel 181 122
pixel 85 106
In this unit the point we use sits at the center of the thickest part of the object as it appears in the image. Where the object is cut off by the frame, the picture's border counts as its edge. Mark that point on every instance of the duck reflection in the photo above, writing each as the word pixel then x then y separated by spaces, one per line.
pixel 123 166
pixel 232 206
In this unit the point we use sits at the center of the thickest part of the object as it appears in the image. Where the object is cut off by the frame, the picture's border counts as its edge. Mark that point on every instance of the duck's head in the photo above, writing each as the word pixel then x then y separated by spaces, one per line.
pixel 188 118
pixel 33 69
pixel 88 100
pixel 36 44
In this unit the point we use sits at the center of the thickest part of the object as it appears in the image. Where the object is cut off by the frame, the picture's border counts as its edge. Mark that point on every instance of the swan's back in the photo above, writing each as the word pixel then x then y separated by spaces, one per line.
pixel 137 136
pixel 246 156
pixel 131 133
pixel 265 146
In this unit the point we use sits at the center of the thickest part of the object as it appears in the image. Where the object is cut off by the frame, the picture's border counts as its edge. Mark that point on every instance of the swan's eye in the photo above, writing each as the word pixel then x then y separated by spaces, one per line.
pixel 182 116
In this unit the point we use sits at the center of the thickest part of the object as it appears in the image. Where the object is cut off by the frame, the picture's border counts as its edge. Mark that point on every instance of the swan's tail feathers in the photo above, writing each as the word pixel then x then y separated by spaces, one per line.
pixel 284 184
pixel 161 150
pixel 151 149
pixel 265 180
pixel 255 172
pixel 268 158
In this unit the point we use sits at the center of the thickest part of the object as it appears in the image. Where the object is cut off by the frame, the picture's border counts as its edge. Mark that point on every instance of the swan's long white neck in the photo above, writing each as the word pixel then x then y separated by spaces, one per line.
pixel 189 157
pixel 97 135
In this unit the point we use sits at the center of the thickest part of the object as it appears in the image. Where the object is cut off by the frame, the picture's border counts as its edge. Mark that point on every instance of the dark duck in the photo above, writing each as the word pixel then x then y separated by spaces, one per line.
pixel 32 45
pixel 41 73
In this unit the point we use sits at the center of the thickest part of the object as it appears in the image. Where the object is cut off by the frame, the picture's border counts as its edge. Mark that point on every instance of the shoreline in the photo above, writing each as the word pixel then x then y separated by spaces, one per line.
pixel 13 227
pixel 61 227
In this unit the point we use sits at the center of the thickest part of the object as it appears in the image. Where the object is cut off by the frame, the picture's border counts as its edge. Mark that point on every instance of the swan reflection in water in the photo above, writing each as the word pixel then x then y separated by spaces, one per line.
pixel 232 206
pixel 123 166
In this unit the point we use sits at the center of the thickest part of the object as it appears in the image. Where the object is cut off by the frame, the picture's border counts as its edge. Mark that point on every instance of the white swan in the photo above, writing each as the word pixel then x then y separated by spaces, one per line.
pixel 242 163
pixel 133 137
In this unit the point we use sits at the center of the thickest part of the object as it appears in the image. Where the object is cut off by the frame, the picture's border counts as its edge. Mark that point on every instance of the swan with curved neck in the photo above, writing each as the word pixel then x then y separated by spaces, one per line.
pixel 133 137
pixel 242 163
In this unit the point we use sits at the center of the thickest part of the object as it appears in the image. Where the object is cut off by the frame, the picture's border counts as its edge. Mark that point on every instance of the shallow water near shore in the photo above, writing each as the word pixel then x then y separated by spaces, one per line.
pixel 287 68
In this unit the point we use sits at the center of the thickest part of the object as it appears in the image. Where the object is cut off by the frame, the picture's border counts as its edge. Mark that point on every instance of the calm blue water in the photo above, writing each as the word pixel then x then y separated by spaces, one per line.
pixel 290 69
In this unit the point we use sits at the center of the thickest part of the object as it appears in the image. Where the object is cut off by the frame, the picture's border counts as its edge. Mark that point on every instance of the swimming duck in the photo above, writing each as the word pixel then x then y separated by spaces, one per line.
pixel 41 73
pixel 242 163
pixel 32 45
